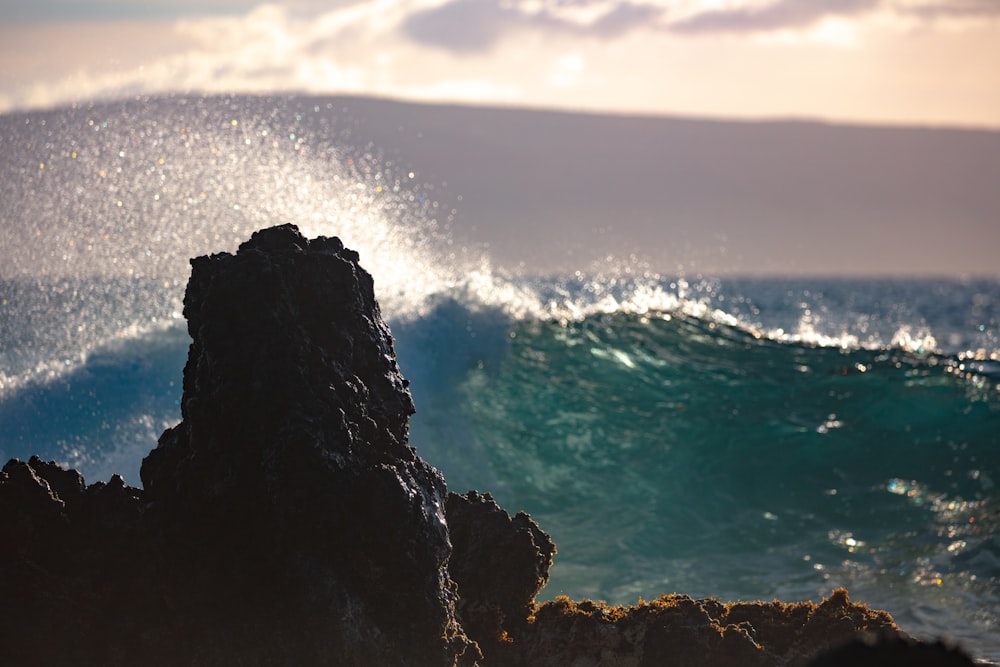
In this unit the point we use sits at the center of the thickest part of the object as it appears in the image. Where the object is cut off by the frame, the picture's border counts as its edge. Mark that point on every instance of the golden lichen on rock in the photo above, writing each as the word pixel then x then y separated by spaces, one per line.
pixel 680 630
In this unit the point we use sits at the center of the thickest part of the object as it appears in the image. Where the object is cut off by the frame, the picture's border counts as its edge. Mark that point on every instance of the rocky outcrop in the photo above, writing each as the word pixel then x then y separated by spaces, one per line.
pixel 293 448
pixel 679 630
pixel 500 564
pixel 72 567
pixel 878 650
pixel 286 520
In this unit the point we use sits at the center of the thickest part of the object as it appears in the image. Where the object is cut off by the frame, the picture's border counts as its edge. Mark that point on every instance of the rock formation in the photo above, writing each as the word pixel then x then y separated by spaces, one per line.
pixel 679 630
pixel 286 520
pixel 293 447
pixel 878 650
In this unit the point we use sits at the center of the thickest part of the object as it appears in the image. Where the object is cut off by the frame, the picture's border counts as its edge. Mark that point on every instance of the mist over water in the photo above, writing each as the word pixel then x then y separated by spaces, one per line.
pixel 105 205
pixel 716 436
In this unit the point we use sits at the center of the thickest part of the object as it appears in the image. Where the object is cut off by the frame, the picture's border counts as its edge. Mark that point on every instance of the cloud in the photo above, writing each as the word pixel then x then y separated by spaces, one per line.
pixel 779 15
pixel 466 26
pixel 932 9
pixel 649 56
pixel 478 26
pixel 51 11
pixel 625 17
pixel 461 25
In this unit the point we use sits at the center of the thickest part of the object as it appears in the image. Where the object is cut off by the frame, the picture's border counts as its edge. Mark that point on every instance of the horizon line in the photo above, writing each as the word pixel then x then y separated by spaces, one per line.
pixel 501 105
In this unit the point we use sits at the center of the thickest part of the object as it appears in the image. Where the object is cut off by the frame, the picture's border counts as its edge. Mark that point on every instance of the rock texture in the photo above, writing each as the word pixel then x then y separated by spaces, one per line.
pixel 293 447
pixel 71 567
pixel 286 521
pixel 500 564
pixel 679 630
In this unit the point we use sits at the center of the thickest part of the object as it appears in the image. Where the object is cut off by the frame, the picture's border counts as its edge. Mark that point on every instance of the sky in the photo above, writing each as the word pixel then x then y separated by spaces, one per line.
pixel 886 62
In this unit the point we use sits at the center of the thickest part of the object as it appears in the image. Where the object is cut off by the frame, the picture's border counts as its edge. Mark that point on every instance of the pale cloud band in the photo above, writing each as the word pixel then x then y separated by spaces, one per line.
pixel 465 25
pixel 841 59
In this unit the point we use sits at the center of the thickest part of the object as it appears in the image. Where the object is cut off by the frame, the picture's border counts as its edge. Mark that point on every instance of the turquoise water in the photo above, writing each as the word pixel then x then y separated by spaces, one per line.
pixel 663 451
pixel 721 437
pixel 666 452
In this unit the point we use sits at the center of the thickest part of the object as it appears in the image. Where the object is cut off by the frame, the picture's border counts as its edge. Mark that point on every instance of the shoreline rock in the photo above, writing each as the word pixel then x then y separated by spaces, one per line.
pixel 295 423
pixel 286 520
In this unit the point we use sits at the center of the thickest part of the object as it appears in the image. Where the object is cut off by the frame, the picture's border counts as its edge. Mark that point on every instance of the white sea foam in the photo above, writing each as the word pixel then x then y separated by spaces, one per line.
pixel 156 184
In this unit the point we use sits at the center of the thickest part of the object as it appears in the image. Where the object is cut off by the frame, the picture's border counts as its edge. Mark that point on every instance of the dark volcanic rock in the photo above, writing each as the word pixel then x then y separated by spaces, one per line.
pixel 69 564
pixel 879 650
pixel 679 630
pixel 500 564
pixel 293 450
pixel 285 520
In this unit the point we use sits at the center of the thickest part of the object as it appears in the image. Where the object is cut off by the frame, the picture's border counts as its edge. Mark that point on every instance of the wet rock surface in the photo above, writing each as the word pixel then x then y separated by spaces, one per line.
pixel 286 520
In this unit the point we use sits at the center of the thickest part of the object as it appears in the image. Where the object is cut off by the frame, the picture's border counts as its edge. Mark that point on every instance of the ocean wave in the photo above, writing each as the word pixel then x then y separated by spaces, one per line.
pixel 158 181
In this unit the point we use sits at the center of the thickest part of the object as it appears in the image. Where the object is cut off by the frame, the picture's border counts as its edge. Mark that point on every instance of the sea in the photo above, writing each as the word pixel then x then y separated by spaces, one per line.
pixel 740 438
